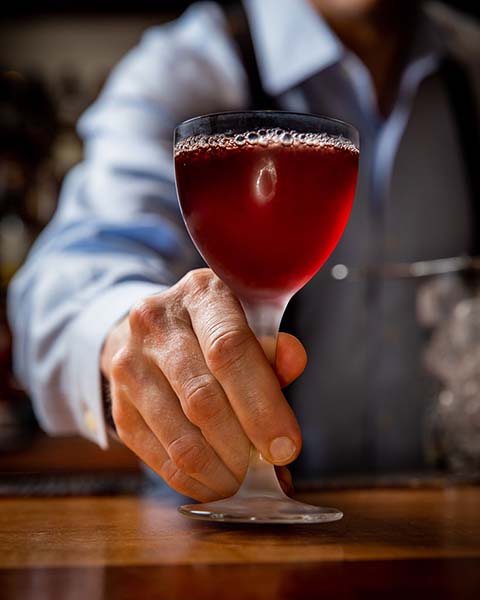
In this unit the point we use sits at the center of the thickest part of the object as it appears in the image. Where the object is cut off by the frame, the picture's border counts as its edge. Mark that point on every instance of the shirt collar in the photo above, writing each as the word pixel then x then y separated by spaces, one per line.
pixel 292 42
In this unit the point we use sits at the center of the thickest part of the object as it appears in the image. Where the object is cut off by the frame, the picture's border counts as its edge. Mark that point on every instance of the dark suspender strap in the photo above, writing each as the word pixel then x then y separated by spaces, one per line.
pixel 465 113
pixel 259 98
pixel 240 32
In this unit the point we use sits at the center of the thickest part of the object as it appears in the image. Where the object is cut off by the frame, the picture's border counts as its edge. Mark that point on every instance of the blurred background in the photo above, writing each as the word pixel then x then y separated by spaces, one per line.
pixel 54 59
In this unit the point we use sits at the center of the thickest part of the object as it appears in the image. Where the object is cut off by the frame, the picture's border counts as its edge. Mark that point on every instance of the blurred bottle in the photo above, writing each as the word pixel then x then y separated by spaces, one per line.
pixel 450 304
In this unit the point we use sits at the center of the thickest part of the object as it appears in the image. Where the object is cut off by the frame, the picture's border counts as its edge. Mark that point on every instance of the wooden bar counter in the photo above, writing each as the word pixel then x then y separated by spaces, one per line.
pixel 393 543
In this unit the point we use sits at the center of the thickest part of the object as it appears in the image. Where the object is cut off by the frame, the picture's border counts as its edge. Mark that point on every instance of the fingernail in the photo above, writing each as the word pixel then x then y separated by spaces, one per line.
pixel 282 449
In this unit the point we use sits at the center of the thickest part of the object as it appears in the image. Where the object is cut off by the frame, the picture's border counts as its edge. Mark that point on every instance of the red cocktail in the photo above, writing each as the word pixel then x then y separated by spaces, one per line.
pixel 265 197
pixel 266 209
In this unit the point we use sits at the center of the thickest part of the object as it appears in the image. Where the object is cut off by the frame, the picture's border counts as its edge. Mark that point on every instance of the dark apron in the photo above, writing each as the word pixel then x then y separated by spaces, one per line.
pixel 463 106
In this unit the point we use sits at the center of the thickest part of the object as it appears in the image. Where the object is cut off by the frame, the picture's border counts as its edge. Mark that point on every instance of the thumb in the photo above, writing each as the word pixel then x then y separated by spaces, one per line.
pixel 291 358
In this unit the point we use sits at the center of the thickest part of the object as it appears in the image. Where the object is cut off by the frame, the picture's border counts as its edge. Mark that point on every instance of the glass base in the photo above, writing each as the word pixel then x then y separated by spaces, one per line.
pixel 260 509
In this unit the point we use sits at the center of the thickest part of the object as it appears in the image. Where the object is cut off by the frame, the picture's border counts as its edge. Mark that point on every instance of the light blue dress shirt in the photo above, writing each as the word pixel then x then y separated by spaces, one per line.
pixel 117 235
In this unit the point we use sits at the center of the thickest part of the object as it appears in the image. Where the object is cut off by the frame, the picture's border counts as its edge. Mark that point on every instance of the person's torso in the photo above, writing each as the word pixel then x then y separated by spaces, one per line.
pixel 364 396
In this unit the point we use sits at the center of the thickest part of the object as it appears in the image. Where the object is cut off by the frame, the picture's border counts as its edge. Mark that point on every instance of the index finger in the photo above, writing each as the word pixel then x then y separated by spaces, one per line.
pixel 236 359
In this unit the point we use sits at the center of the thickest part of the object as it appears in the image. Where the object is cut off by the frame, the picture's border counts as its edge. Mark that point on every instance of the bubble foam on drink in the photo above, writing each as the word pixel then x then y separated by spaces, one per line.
pixel 263 137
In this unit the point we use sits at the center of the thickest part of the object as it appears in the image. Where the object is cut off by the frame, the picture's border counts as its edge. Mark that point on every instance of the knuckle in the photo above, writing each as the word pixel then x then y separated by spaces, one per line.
pixel 201 398
pixel 122 363
pixel 225 348
pixel 144 316
pixel 196 283
pixel 189 454
pixel 173 476
pixel 182 483
pixel 198 278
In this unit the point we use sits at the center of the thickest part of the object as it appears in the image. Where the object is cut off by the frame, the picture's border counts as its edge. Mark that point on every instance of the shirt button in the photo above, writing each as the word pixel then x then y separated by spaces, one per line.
pixel 90 421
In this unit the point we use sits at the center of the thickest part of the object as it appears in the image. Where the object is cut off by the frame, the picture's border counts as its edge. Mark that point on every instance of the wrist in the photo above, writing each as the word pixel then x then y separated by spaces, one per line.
pixel 107 405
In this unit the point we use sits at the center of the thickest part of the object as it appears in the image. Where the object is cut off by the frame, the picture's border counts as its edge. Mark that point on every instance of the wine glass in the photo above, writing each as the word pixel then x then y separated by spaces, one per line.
pixel 265 196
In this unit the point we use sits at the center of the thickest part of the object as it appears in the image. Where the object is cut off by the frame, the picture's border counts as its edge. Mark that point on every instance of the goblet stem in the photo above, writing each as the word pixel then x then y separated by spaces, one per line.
pixel 260 498
pixel 264 320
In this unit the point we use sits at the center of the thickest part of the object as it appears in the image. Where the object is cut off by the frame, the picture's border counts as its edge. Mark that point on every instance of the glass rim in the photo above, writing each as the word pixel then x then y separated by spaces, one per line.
pixel 354 135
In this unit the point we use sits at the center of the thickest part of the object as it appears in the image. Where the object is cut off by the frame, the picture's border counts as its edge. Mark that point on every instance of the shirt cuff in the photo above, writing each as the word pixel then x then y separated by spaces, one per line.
pixel 86 338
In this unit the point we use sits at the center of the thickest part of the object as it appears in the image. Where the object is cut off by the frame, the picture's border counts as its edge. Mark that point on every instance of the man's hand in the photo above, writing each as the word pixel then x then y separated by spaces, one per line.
pixel 192 388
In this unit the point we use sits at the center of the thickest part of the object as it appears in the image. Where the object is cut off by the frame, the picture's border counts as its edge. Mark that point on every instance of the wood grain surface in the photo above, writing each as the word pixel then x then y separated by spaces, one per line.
pixel 389 541
pixel 378 525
